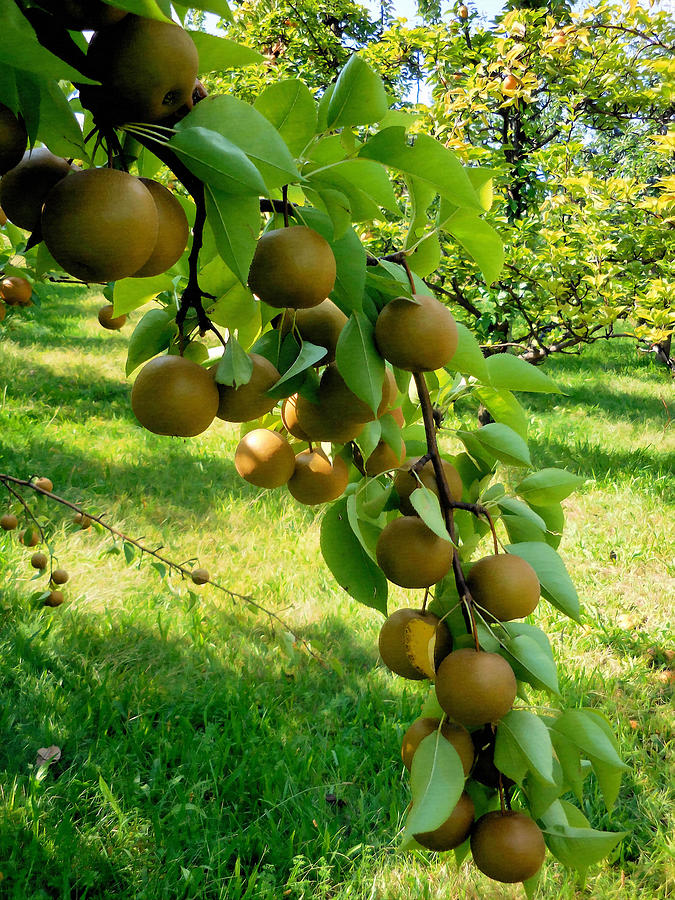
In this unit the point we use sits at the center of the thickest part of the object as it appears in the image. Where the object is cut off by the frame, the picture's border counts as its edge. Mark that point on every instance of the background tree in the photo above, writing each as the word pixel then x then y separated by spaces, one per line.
pixel 570 112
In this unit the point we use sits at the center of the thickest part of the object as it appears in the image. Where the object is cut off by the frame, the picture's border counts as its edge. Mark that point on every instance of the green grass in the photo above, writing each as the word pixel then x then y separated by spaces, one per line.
pixel 201 755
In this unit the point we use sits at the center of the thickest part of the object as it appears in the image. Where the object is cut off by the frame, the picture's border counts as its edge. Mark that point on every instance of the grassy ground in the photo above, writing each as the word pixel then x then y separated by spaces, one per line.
pixel 200 756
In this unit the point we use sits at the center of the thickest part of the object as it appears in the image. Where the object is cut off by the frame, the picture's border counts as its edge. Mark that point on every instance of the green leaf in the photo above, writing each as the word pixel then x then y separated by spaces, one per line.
pixel 556 584
pixel 236 366
pixel 424 158
pixel 541 794
pixel 609 779
pixel 217 161
pixel 548 486
pixel 290 107
pixel 218 53
pixel 554 516
pixel 391 432
pixel 580 848
pixel 351 566
pixel 234 307
pixel 428 508
pixel 528 733
pixel 436 783
pixel 504 444
pixel 21 49
pixel 235 221
pixel 366 532
pixel 335 204
pixel 364 182
pixel 468 357
pixel 130 293
pixel 358 97
pixel 250 131
pixel 350 260
pixel 369 437
pixel 152 334
pixel 520 529
pixel 481 179
pixel 504 408
pixel 219 7
pixel 569 757
pixel 359 361
pixel 513 373
pixel 479 239
pixel 307 357
pixel 531 663
pixel 59 129
pixel 513 507
pixel 582 727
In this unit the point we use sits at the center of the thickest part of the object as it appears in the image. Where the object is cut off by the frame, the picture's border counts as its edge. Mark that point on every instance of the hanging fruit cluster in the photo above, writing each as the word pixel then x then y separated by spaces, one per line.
pixel 341 369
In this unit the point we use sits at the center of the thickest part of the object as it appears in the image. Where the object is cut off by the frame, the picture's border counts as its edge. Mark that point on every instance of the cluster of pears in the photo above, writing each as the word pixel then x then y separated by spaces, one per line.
pixel 294 270
pixel 99 224
pixel 30 537
pixel 474 688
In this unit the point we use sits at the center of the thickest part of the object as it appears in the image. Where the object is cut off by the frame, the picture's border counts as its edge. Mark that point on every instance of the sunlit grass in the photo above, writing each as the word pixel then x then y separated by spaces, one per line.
pixel 202 756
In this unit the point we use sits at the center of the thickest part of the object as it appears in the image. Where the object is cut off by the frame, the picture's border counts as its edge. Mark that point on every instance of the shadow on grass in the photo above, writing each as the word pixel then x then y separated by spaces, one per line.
pixel 642 408
pixel 179 755
pixel 587 458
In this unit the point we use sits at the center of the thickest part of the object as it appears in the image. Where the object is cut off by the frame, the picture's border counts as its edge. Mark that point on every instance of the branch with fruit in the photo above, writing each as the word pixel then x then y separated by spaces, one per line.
pixel 329 355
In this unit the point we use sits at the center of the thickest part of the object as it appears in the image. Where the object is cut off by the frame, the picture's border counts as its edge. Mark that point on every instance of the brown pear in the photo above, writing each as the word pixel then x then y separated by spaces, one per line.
pixel 15 291
pixel 172 395
pixel 474 687
pixel 55 598
pixel 45 484
pixel 100 224
pixel 248 401
pixel 292 267
pixel 108 321
pixel 405 639
pixel 24 189
pixel 320 325
pixel 405 482
pixel 505 585
pixel 417 337
pixel 172 233
pixel 289 416
pixel 411 555
pixel 455 734
pixel 320 422
pixel 200 576
pixel 507 846
pixel 454 831
pixel 383 458
pixel 39 561
pixel 59 576
pixel 147 66
pixel 264 458
pixel 8 522
pixel 316 480
pixel 13 139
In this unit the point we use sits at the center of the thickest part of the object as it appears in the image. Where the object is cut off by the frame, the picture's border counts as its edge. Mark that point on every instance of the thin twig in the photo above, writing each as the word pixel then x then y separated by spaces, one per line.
pixel 8 480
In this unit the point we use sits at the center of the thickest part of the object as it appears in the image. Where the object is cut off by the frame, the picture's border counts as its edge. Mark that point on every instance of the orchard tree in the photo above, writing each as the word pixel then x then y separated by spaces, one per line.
pixel 341 367
pixel 571 110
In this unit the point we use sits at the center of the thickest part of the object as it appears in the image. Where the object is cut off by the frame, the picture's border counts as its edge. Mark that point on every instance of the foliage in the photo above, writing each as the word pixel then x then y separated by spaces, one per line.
pixel 580 152
pixel 334 163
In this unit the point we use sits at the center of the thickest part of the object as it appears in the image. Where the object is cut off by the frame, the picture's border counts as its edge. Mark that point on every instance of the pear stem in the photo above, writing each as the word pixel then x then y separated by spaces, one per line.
pixel 446 501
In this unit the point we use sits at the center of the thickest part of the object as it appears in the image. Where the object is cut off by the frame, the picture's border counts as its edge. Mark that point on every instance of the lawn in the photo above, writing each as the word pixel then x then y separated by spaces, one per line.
pixel 203 755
